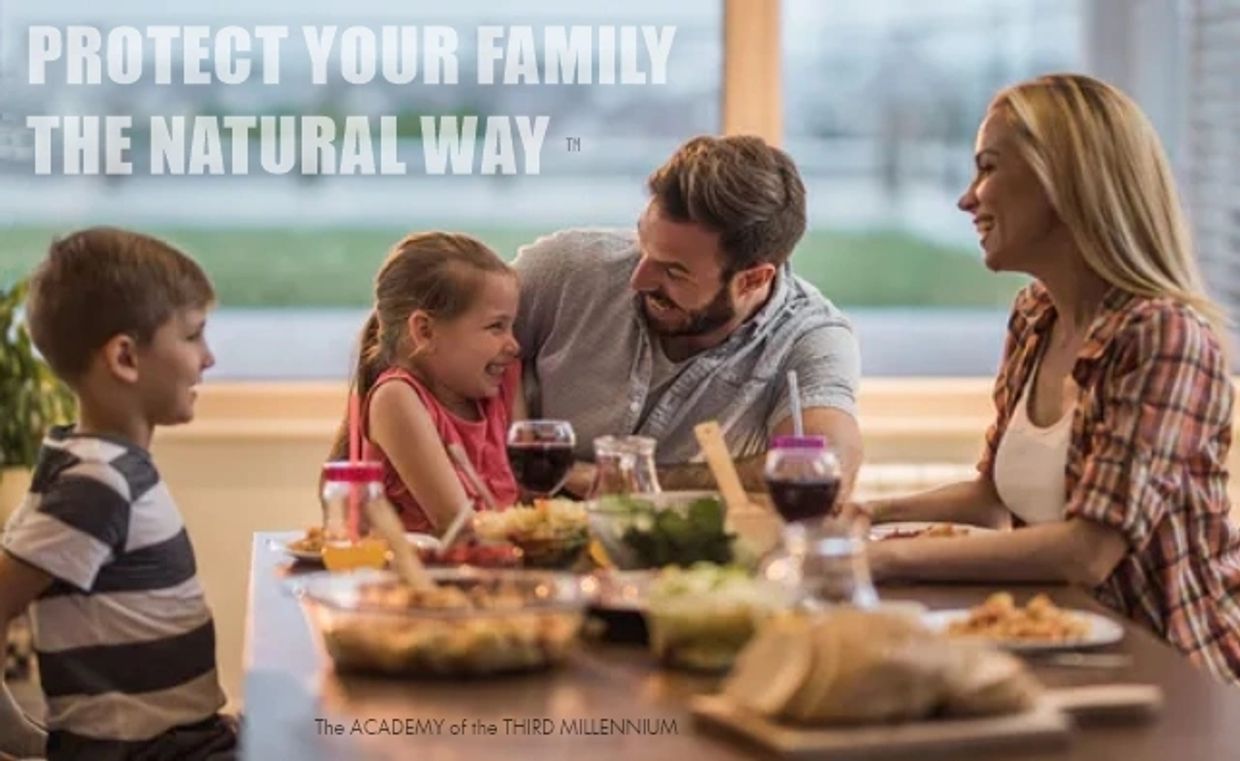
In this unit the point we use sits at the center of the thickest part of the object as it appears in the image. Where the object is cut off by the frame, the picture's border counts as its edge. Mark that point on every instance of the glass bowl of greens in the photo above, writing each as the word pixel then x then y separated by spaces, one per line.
pixel 699 618
pixel 655 530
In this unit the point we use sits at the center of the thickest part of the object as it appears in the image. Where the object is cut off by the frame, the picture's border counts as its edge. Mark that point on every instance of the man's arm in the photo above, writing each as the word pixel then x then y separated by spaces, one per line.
pixel 839 427
pixel 20 584
pixel 540 272
pixel 843 437
pixel 693 476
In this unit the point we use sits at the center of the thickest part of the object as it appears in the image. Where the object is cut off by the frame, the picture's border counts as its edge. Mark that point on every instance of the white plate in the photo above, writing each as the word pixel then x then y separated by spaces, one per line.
pixel 891 530
pixel 1102 631
pixel 419 541
pixel 302 556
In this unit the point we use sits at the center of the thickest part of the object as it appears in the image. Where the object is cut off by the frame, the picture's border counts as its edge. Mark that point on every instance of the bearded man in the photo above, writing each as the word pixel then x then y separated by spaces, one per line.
pixel 696 315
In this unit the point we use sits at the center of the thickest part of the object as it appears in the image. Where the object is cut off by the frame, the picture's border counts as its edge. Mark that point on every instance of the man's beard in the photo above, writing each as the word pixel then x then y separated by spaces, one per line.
pixel 699 321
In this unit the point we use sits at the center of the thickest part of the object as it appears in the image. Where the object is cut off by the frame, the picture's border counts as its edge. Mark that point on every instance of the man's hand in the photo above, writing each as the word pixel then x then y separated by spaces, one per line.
pixel 694 476
pixel 580 479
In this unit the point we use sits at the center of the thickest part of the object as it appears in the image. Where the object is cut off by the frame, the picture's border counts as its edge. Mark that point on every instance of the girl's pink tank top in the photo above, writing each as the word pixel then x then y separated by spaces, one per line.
pixel 484 440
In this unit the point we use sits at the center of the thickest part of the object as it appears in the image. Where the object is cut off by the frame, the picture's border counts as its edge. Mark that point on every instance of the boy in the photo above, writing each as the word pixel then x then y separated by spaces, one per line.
pixel 98 550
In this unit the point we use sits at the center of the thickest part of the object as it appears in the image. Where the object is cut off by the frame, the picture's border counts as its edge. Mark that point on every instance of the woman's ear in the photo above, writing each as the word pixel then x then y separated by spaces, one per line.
pixel 120 357
pixel 421 329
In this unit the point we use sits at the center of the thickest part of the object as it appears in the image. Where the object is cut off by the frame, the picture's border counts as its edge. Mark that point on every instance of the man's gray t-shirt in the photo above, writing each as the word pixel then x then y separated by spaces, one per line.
pixel 663 373
pixel 589 353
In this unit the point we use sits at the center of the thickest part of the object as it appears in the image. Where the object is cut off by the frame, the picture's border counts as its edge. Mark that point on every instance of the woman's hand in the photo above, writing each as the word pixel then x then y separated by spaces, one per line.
pixel 860 513
pixel 1076 551
pixel 876 556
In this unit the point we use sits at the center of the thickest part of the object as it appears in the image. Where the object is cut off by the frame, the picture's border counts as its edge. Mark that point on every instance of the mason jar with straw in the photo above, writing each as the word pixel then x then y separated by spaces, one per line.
pixel 347 489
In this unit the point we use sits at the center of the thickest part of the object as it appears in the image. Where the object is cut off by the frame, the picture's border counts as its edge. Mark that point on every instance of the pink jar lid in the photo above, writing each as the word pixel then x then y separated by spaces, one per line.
pixel 799 442
pixel 353 472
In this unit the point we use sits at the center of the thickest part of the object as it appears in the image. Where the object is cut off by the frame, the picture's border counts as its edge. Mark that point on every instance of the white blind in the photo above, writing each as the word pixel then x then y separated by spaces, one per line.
pixel 1213 143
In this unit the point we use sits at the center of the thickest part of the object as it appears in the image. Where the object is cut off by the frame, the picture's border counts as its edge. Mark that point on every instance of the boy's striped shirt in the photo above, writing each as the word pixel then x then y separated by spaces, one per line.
pixel 125 640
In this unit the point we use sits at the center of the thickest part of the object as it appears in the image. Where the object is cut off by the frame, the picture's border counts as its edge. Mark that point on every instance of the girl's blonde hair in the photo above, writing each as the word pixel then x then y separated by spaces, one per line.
pixel 1103 168
pixel 435 272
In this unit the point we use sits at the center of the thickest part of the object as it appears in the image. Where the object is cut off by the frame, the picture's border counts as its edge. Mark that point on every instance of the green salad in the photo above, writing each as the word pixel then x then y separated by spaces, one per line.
pixel 674 535
pixel 700 618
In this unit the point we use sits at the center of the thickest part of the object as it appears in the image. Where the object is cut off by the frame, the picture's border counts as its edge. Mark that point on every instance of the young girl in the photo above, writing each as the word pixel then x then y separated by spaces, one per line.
pixel 438 365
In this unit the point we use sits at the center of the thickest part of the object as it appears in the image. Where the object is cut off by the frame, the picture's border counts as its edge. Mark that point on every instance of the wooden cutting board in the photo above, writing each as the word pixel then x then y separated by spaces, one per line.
pixel 1044 726
pixel 1047 725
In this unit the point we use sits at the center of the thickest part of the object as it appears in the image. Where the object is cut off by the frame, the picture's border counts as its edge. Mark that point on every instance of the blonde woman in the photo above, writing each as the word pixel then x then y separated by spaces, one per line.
pixel 1113 402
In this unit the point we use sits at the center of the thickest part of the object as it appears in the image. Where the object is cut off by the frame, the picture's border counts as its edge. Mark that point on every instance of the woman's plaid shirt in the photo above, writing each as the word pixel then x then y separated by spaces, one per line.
pixel 1148 457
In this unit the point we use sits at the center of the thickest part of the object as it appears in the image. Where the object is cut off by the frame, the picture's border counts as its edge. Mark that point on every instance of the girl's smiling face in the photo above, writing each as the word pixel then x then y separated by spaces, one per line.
pixel 467 355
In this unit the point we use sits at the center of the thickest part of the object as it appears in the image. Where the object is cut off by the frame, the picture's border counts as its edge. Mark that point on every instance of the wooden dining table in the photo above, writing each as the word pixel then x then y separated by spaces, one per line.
pixel 298 707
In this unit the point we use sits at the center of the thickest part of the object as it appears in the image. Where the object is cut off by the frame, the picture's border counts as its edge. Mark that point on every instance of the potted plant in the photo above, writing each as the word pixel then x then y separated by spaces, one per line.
pixel 31 400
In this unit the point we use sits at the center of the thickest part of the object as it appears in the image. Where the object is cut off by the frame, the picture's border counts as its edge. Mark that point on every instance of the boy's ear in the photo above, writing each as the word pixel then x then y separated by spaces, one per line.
pixel 120 357
pixel 421 329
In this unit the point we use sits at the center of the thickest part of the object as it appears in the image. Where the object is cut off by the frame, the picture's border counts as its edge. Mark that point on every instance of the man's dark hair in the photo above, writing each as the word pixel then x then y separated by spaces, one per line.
pixel 740 187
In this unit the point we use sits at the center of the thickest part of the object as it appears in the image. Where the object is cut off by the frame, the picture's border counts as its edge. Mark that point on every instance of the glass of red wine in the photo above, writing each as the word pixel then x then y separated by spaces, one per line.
pixel 541 453
pixel 803 478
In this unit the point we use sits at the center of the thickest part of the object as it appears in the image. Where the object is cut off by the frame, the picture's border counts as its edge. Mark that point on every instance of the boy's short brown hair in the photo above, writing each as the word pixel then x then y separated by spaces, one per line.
pixel 100 282
pixel 749 192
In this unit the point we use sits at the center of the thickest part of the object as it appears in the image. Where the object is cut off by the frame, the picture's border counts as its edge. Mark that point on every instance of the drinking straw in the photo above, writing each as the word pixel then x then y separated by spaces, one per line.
pixel 355 455
pixel 471 475
pixel 458 523
pixel 794 398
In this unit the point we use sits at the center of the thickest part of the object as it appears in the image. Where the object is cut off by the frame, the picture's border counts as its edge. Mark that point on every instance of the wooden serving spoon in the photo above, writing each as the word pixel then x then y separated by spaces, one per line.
pixel 467 469
pixel 410 569
pixel 710 438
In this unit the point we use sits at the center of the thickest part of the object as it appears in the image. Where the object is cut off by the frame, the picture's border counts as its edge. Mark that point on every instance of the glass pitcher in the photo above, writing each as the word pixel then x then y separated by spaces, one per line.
pixel 624 465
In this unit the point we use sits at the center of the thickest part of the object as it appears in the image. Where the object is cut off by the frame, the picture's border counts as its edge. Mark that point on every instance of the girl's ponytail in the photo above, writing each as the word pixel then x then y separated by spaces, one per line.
pixel 369 365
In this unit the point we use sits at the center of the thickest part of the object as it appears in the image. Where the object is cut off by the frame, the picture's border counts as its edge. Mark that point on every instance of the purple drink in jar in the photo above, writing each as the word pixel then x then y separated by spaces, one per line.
pixel 802 476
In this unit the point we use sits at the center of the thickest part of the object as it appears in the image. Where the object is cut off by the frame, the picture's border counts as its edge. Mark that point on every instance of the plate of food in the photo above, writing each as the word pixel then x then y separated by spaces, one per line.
pixel 471 552
pixel 551 533
pixel 308 548
pixel 1038 626
pixel 469 622
pixel 923 530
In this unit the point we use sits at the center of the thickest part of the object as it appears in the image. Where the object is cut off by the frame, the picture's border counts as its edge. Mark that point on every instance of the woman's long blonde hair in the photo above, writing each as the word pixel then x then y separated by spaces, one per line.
pixel 1103 168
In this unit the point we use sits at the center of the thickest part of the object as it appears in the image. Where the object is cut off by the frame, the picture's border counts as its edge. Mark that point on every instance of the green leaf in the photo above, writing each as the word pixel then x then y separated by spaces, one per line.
pixel 680 535
pixel 706 515
pixel 31 397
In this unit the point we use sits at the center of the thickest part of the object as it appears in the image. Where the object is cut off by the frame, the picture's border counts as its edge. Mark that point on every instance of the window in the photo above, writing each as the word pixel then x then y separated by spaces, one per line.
pixel 882 101
pixel 1213 144
pixel 293 256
